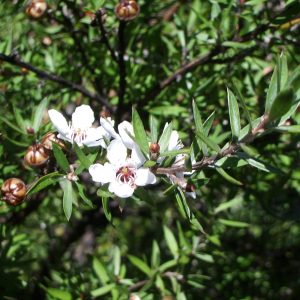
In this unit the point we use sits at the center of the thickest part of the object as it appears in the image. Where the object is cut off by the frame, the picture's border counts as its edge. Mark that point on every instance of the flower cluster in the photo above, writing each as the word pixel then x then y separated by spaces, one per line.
pixel 124 167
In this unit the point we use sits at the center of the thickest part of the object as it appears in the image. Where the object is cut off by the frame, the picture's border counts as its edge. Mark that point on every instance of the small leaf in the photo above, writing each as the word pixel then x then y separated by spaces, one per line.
pixel 82 194
pixel 60 158
pixel 165 138
pixel 234 115
pixel 236 202
pixel 103 290
pixel 155 256
pixel 229 178
pixel 68 198
pixel 105 205
pixel 44 182
pixel 140 264
pixel 153 129
pixel 232 223
pixel 39 113
pixel 140 133
pixel 272 91
pixel 183 206
pixel 117 261
pixel 283 70
pixel 100 271
pixel 208 123
pixel 149 164
pixel 59 294
pixel 82 157
pixel 205 257
pixel 174 152
pixel 171 241
pixel 211 144
pixel 282 104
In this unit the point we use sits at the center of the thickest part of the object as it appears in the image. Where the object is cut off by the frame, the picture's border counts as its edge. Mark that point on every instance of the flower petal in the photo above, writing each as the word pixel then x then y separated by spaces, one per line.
pixel 95 137
pixel 174 142
pixel 108 126
pixel 144 176
pixel 126 133
pixel 122 190
pixel 102 174
pixel 83 117
pixel 137 157
pixel 116 153
pixel 59 122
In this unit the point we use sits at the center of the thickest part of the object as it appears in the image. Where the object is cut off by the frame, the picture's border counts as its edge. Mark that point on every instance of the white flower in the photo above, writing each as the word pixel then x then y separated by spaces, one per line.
pixel 123 173
pixel 80 129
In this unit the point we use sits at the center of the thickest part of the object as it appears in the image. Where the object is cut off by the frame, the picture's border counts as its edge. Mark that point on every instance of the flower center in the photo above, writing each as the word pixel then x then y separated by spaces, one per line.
pixel 78 134
pixel 126 175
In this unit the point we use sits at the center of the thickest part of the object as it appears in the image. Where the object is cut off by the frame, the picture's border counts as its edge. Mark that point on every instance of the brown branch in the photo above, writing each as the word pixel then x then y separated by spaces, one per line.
pixel 14 60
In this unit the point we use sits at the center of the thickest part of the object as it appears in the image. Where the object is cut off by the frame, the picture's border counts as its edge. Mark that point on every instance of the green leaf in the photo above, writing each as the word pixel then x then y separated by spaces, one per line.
pixel 82 195
pixel 155 256
pixel 205 257
pixel 68 198
pixel 283 70
pixel 100 271
pixel 208 123
pixel 165 138
pixel 167 265
pixel 105 205
pixel 140 133
pixel 236 202
pixel 39 113
pixel 175 152
pixel 60 158
pixel 149 164
pixel 199 128
pixel 11 125
pixel 171 241
pixel 282 104
pixel 289 129
pixel 140 264
pixel 59 294
pixel 232 223
pixel 272 91
pixel 294 80
pixel 234 115
pixel 154 129
pixel 82 157
pixel 44 182
pixel 183 206
pixel 228 177
pixel 19 119
pixel 211 144
pixel 103 290
pixel 117 260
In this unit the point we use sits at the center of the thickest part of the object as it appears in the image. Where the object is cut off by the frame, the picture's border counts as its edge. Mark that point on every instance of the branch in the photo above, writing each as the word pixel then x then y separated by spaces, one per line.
pixel 211 160
pixel 122 70
pixel 14 60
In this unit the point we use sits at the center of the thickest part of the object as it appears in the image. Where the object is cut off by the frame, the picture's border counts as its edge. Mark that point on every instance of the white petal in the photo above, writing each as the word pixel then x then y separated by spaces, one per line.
pixel 108 126
pixel 94 137
pixel 126 133
pixel 83 117
pixel 116 153
pixel 122 190
pixel 102 174
pixel 191 194
pixel 59 122
pixel 144 176
pixel 174 141
pixel 137 157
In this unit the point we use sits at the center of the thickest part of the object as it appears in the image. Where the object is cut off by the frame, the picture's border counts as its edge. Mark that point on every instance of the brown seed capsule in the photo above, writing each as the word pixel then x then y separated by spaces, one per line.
pixel 36 155
pixel 154 148
pixel 36 8
pixel 127 10
pixel 13 191
pixel 50 138
pixel 190 188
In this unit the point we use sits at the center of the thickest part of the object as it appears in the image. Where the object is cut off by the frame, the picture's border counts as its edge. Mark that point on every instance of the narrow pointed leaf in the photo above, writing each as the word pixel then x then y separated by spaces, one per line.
pixel 140 133
pixel 282 104
pixel 165 138
pixel 211 144
pixel 82 157
pixel 60 158
pixel 68 198
pixel 228 177
pixel 140 264
pixel 272 91
pixel 171 241
pixel 234 115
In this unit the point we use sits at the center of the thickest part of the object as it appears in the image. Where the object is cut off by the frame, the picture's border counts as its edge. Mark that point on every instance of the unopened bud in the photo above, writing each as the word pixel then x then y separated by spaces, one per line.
pixel 51 138
pixel 36 8
pixel 154 148
pixel 13 191
pixel 36 155
pixel 190 188
pixel 30 130
pixel 127 10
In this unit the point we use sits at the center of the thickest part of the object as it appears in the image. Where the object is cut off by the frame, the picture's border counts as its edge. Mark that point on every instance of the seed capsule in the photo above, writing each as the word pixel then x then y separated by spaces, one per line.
pixel 13 191
pixel 51 138
pixel 36 8
pixel 127 10
pixel 154 148
pixel 36 155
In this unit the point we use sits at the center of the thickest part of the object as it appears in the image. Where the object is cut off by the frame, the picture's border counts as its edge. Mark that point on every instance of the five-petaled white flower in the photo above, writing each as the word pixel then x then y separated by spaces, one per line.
pixel 123 173
pixel 80 129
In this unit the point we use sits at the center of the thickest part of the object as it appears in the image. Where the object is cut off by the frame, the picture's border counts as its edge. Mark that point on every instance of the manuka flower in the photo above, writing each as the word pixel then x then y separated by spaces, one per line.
pixel 79 130
pixel 123 173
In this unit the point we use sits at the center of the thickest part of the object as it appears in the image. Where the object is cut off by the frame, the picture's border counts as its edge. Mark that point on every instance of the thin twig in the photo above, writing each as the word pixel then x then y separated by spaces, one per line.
pixel 14 60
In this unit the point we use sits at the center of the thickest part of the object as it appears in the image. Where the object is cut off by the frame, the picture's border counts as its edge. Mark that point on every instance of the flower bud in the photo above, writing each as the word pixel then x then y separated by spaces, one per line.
pixel 49 138
pixel 190 188
pixel 127 10
pixel 30 130
pixel 36 155
pixel 134 297
pixel 154 148
pixel 36 8
pixel 13 191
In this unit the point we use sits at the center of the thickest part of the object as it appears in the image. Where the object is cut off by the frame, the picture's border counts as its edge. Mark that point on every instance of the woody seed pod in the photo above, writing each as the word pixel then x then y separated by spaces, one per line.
pixel 50 138
pixel 127 10
pixel 36 8
pixel 13 191
pixel 36 155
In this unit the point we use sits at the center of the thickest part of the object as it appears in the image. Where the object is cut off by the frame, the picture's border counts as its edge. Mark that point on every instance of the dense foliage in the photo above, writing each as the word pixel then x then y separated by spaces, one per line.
pixel 223 74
